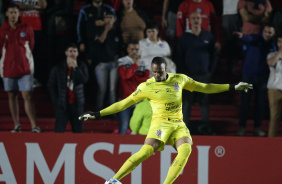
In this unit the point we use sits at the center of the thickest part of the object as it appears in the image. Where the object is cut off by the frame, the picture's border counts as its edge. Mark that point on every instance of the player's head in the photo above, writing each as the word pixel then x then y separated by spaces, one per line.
pixel 152 30
pixel 132 49
pixel 97 3
pixel 195 19
pixel 109 16
pixel 159 68
pixel 268 32
pixel 71 51
pixel 13 13
pixel 279 41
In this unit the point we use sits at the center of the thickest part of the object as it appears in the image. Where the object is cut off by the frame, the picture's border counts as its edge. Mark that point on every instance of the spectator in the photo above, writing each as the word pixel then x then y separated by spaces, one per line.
pixel 197 59
pixel 60 28
pixel 132 72
pixel 274 85
pixel 230 23
pixel 66 89
pixel 105 51
pixel 131 22
pixel 186 8
pixel 170 8
pixel 255 71
pixel 16 66
pixel 153 46
pixel 90 20
pixel 141 119
pixel 254 13
pixel 31 14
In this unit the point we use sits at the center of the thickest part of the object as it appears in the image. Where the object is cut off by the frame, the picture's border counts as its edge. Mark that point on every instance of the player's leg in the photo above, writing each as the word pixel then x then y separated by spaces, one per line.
pixel 14 106
pixel 184 149
pixel 149 147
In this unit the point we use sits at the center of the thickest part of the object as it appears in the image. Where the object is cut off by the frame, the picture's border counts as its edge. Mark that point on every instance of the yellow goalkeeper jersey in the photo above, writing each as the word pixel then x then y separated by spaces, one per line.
pixel 165 97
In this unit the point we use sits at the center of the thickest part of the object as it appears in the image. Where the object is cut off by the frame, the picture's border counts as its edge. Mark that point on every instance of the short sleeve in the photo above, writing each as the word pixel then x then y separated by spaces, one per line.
pixel 140 93
pixel 189 83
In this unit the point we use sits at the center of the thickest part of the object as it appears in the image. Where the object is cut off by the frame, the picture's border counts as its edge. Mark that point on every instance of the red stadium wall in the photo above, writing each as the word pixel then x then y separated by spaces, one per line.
pixel 91 158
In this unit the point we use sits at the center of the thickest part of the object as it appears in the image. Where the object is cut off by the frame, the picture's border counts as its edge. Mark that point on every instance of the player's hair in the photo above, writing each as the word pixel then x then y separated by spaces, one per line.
pixel 268 25
pixel 71 45
pixel 109 12
pixel 12 5
pixel 159 61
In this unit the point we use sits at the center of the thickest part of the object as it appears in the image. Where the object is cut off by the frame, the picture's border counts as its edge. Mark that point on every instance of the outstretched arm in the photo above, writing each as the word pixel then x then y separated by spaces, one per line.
pixel 217 88
pixel 115 108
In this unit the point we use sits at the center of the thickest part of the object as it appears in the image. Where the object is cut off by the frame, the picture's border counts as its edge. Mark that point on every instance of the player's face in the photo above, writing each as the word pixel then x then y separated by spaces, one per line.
pixel 195 19
pixel 279 42
pixel 132 50
pixel 268 33
pixel 152 34
pixel 159 72
pixel 72 53
pixel 13 15
pixel 109 18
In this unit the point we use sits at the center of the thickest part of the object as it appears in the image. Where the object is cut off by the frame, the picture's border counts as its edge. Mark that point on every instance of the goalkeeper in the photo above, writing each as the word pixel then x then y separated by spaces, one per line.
pixel 164 92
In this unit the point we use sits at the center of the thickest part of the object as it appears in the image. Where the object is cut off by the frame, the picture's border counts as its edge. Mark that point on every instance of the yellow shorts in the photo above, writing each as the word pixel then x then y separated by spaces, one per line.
pixel 168 131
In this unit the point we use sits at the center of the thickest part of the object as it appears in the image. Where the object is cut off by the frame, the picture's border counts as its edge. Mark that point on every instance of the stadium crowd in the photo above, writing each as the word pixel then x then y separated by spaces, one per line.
pixel 96 52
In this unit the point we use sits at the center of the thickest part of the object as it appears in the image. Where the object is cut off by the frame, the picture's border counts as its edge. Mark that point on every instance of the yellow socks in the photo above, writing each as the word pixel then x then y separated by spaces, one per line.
pixel 184 151
pixel 145 152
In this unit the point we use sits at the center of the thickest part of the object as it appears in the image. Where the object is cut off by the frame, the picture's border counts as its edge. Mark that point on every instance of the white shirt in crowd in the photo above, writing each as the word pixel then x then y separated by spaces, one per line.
pixel 128 61
pixel 230 7
pixel 275 76
pixel 148 50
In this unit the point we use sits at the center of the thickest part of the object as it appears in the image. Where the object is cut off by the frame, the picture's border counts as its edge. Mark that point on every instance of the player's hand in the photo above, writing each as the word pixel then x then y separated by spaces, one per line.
pixel 243 86
pixel 238 34
pixel 87 115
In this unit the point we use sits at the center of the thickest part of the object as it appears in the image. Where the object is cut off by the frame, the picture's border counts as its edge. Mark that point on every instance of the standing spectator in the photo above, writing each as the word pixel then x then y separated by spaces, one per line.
pixel 254 13
pixel 132 72
pixel 105 52
pixel 170 8
pixel 255 71
pixel 131 22
pixel 31 14
pixel 153 46
pixel 16 66
pixel 66 89
pixel 90 20
pixel 186 8
pixel 230 23
pixel 141 119
pixel 197 59
pixel 274 85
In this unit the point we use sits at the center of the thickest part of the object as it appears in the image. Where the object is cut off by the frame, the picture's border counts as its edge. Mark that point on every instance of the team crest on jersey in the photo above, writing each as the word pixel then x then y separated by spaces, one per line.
pixel 161 45
pixel 159 133
pixel 176 86
pixel 199 10
pixel 22 34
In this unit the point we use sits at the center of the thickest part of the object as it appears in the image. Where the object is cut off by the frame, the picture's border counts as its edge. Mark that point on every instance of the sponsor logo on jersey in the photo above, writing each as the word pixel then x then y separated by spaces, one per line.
pixel 176 86
pixel 199 10
pixel 159 133
pixel 6 36
pixel 157 91
pixel 22 34
pixel 179 15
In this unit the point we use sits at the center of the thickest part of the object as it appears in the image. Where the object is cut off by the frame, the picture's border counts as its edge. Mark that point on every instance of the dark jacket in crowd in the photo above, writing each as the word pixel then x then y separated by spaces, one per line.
pixel 256 55
pixel 106 51
pixel 196 55
pixel 86 29
pixel 57 83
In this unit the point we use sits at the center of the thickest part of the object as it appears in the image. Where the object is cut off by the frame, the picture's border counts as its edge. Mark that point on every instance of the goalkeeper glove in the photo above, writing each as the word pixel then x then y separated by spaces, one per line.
pixel 90 115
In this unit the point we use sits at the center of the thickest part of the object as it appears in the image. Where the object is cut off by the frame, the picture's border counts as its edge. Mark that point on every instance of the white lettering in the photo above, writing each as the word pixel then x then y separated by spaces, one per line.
pixel 203 164
pixel 92 165
pixel 136 174
pixel 35 156
pixel 7 172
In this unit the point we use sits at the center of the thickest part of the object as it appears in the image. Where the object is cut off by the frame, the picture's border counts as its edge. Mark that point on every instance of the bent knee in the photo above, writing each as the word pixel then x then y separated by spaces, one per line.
pixel 185 149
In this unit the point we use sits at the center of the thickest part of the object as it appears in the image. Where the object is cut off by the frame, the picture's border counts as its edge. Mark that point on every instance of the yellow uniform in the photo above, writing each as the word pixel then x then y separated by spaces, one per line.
pixel 166 101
